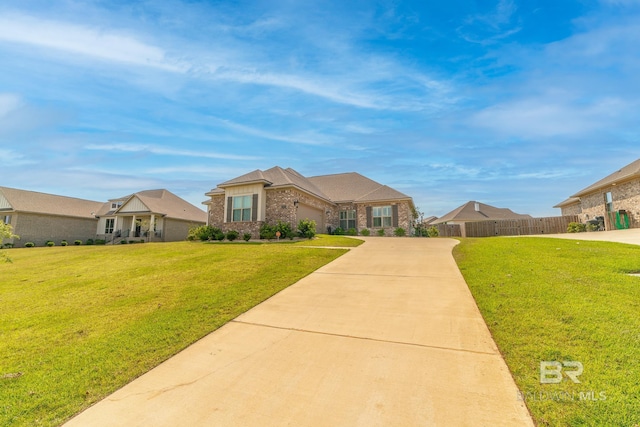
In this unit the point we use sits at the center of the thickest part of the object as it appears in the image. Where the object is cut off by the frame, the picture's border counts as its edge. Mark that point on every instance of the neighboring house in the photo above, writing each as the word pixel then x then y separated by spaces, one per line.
pixel 615 198
pixel 39 217
pixel 347 200
pixel 475 211
pixel 155 215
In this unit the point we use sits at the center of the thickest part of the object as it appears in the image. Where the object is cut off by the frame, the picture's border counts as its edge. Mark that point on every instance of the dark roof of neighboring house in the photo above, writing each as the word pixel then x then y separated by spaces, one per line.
pixel 468 212
pixel 632 170
pixel 161 202
pixel 344 187
pixel 50 204
pixel 429 220
pixel 568 202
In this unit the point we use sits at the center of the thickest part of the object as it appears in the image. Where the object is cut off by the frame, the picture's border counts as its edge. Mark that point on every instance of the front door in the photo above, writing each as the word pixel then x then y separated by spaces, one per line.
pixel 138 227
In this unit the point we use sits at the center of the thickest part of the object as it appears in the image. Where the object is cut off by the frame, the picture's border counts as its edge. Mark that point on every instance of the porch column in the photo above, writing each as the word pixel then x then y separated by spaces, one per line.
pixel 133 227
pixel 152 226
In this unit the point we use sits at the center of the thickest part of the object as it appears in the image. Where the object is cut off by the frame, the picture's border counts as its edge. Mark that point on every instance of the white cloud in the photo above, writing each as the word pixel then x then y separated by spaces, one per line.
pixel 92 42
pixel 547 117
pixel 135 148
pixel 9 103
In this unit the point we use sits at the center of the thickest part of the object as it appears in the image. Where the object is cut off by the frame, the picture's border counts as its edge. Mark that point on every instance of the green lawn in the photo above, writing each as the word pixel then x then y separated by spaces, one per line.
pixel 78 322
pixel 563 300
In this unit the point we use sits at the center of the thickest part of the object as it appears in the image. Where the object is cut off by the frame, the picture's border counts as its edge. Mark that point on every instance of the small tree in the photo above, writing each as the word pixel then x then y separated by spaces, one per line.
pixel 6 232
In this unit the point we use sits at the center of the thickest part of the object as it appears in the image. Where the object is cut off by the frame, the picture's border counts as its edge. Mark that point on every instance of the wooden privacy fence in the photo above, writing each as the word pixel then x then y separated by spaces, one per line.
pixel 449 230
pixel 517 227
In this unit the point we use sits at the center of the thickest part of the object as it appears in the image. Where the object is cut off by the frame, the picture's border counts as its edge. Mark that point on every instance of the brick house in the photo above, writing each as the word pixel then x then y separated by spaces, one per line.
pixel 39 217
pixel 155 215
pixel 347 200
pixel 616 198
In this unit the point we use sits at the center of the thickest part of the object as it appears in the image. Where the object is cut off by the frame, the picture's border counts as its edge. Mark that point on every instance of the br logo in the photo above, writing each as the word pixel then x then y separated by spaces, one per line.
pixel 551 372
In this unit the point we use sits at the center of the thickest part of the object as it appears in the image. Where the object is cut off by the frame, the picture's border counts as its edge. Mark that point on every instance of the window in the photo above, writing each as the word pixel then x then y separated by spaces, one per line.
pixel 382 216
pixel 115 205
pixel 109 224
pixel 7 219
pixel 347 219
pixel 242 208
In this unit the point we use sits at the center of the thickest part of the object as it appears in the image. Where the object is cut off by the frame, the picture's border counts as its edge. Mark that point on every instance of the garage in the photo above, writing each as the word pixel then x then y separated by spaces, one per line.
pixel 309 212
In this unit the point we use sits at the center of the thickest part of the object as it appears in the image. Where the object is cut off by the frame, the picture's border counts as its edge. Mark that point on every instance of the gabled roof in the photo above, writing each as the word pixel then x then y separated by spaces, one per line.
pixel 353 187
pixel 49 204
pixel 632 170
pixel 337 188
pixel 568 202
pixel 159 202
pixel 273 178
pixel 468 212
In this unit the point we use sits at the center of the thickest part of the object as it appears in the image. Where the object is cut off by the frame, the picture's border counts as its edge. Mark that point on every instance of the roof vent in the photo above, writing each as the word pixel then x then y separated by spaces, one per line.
pixel 477 206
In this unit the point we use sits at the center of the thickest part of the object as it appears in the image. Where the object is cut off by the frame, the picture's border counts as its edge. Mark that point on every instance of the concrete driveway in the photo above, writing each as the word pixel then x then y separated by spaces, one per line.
pixel 386 335
pixel 631 236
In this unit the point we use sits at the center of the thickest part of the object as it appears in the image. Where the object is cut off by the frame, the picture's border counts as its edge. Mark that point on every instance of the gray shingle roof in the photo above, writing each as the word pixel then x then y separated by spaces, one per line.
pixel 353 187
pixel 337 188
pixel 468 212
pixel 632 170
pixel 51 204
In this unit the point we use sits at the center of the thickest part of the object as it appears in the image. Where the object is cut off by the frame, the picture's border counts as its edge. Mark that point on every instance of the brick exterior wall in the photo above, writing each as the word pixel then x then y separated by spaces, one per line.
pixel 405 219
pixel 569 210
pixel 39 228
pixel 626 196
pixel 280 207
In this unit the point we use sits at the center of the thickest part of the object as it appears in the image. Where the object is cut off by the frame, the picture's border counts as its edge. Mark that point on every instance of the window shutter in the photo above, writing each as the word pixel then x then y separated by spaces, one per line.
pixel 369 219
pixel 229 208
pixel 394 215
pixel 254 208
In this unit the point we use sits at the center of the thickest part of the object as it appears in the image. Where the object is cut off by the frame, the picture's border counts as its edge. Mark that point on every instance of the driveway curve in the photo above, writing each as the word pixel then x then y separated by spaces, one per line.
pixel 386 335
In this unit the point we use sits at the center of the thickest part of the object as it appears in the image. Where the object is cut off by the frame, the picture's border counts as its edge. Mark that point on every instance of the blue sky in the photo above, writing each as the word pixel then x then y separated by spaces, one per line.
pixel 517 104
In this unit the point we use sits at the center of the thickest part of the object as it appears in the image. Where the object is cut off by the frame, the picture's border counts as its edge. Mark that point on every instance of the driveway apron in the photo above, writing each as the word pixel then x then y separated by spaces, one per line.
pixel 386 335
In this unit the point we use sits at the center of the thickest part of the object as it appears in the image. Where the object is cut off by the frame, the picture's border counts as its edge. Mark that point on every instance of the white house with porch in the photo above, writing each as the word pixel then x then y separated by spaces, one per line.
pixel 152 215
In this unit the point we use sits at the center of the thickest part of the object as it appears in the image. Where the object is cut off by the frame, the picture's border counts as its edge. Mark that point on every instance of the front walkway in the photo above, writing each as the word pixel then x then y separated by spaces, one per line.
pixel 386 335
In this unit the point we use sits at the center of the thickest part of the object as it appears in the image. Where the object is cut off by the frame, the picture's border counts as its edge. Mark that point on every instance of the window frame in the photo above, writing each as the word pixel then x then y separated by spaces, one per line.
pixel 243 211
pixel 382 216
pixel 348 219
pixel 109 224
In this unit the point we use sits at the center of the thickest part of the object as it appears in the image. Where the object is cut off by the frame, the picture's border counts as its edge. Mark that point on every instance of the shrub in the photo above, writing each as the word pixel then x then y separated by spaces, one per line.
pixel 381 232
pixel 576 227
pixel 218 235
pixel 8 245
pixel 77 242
pixel 592 227
pixel 352 232
pixel 89 242
pixel 399 232
pixel 50 243
pixel 101 242
pixel 232 235
pixel 365 232
pixel 29 245
pixel 203 233
pixel 64 243
pixel 267 232
pixel 433 231
pixel 123 242
pixel 307 228
pixel 338 231
pixel 246 237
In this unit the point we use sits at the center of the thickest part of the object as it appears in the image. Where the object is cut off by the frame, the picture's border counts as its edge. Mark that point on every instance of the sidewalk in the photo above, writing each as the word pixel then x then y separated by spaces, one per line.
pixel 386 335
